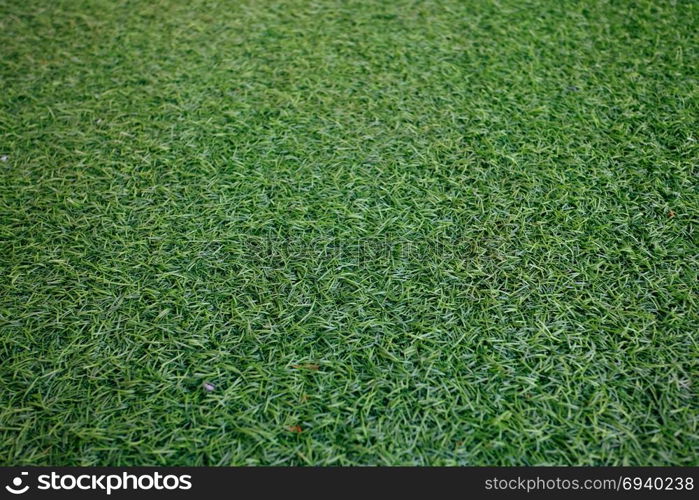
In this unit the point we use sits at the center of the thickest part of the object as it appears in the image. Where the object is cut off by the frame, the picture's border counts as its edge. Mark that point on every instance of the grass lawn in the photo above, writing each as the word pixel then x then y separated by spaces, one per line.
pixel 349 232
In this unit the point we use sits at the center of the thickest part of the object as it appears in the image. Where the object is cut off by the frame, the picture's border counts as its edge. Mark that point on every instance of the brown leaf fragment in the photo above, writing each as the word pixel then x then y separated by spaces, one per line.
pixel 309 366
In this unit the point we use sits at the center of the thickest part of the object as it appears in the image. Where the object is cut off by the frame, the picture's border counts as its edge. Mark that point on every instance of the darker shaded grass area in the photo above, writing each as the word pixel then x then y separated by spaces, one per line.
pixel 186 193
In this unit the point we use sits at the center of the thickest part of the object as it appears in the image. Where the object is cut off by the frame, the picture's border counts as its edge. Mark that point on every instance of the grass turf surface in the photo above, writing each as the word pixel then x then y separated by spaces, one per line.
pixel 185 186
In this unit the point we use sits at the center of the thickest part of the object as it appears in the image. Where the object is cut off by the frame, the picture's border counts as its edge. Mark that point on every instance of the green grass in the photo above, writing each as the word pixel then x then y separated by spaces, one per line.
pixel 418 232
